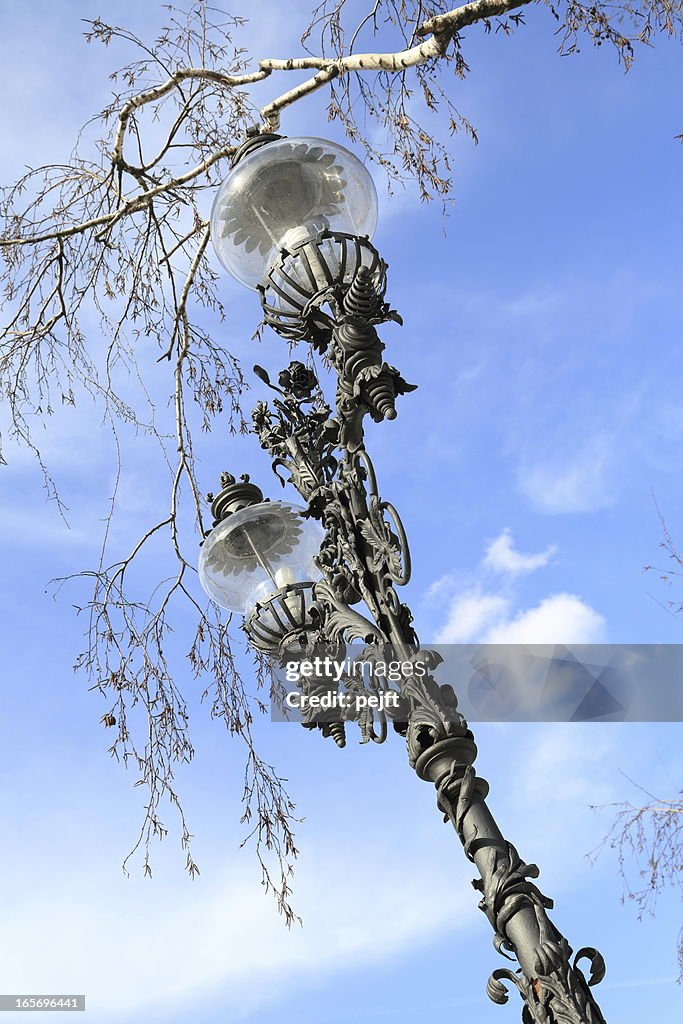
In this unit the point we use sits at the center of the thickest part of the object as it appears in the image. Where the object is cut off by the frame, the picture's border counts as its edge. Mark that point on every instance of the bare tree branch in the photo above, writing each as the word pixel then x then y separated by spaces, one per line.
pixel 649 836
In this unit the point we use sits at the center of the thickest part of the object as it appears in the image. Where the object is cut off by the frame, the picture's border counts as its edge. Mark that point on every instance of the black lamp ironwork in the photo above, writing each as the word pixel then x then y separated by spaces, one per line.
pixel 293 220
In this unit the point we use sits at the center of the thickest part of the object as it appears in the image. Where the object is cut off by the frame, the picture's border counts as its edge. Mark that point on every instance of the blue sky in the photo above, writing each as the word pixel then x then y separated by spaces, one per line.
pixel 542 325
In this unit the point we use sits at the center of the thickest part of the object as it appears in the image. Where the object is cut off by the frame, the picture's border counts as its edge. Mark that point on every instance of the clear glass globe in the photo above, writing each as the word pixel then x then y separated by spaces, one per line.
pixel 256 551
pixel 284 194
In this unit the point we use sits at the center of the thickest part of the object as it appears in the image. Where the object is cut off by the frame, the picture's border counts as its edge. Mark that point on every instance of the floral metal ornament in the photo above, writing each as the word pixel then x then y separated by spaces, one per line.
pixel 300 440
pixel 298 381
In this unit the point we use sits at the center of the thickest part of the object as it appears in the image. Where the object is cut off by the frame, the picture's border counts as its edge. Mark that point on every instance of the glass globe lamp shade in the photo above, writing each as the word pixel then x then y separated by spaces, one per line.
pixel 284 194
pixel 257 551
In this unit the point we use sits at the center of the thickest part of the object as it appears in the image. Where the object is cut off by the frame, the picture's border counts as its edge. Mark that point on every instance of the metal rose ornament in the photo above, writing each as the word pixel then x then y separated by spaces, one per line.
pixel 298 380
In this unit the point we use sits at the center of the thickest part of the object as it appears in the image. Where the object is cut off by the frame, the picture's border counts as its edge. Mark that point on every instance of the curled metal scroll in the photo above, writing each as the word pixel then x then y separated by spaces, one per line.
pixel 362 456
pixel 399 579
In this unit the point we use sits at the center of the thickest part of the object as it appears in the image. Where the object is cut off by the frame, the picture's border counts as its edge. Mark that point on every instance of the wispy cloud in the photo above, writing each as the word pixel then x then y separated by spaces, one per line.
pixel 557 773
pixel 582 481
pixel 502 556
pixel 168 942
pixel 37 528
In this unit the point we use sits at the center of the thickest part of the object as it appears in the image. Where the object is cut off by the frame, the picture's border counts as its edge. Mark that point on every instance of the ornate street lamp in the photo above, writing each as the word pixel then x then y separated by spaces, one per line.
pixel 259 560
pixel 293 220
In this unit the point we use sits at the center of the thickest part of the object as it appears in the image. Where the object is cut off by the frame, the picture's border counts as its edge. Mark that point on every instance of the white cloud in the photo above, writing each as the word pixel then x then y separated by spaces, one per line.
pixel 477 617
pixel 560 618
pixel 478 614
pixel 469 615
pixel 501 556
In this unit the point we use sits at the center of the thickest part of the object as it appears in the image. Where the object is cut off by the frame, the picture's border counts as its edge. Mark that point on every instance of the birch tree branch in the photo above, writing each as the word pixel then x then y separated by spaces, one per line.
pixel 442 30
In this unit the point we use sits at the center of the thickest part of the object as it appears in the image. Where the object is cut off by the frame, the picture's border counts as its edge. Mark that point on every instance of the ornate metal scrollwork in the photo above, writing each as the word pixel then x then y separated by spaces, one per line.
pixel 364 557
pixel 560 997
pixel 316 273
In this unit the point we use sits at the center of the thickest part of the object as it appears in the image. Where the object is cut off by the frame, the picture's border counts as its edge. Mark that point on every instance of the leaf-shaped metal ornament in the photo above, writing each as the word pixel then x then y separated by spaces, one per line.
pixel 262 374
pixel 597 962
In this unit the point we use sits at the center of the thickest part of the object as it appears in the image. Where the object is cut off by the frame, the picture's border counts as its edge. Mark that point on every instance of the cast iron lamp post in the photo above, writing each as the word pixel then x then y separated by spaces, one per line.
pixel 293 220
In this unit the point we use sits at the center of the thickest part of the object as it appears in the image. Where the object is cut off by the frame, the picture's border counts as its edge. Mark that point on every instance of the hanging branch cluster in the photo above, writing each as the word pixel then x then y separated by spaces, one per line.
pixel 109 293
pixel 651 834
